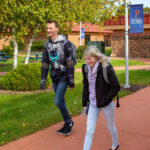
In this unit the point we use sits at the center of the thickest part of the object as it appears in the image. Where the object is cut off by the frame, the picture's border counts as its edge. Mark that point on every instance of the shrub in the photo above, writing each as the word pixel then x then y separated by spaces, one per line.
pixel 24 78
pixel 37 46
pixel 8 50
pixel 108 52
pixel 80 51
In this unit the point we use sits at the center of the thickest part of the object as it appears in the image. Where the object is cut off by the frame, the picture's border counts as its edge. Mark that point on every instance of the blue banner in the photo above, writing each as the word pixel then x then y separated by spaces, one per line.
pixel 136 18
pixel 82 33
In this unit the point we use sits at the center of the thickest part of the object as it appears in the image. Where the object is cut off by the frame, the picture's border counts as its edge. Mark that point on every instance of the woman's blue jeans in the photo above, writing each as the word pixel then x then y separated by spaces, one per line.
pixel 91 124
pixel 60 89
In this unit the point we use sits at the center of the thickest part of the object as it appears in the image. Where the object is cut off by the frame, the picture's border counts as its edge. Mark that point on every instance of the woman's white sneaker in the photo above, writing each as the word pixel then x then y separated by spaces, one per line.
pixel 115 148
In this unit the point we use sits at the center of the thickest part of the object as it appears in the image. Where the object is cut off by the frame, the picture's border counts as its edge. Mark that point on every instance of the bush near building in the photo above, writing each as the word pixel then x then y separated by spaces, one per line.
pixel 80 51
pixel 37 46
pixel 108 51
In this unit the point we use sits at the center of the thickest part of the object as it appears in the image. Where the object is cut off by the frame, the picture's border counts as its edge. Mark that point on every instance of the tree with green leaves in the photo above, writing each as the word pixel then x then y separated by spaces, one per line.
pixel 146 10
pixel 29 17
pixel 12 22
pixel 67 12
pixel 35 21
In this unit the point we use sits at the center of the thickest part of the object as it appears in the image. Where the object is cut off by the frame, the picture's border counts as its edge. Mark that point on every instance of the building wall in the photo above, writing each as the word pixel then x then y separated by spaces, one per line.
pixel 139 45
pixel 4 41
pixel 97 37
pixel 107 40
pixel 73 37
pixel 40 37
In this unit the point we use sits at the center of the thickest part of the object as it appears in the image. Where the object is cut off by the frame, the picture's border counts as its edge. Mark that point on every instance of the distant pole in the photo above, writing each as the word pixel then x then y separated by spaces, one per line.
pixel 80 33
pixel 126 46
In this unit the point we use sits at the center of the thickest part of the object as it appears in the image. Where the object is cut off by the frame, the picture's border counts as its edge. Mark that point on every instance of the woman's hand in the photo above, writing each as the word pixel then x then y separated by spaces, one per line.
pixel 83 113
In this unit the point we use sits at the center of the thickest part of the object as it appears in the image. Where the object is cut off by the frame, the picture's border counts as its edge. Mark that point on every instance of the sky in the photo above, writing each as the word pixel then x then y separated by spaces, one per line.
pixel 145 2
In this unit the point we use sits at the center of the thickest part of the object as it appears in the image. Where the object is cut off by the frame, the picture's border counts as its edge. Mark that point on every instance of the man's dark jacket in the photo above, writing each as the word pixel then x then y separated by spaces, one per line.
pixel 104 92
pixel 58 56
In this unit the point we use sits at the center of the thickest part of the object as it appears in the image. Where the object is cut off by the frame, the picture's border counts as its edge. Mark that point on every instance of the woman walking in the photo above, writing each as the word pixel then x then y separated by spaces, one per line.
pixel 98 94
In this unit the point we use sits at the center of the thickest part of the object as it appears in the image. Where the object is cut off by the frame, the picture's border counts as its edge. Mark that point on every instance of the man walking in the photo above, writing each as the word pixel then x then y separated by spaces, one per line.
pixel 58 55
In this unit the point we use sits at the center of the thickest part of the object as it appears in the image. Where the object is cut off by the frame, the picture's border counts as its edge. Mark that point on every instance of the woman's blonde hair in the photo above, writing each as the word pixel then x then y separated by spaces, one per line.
pixel 92 51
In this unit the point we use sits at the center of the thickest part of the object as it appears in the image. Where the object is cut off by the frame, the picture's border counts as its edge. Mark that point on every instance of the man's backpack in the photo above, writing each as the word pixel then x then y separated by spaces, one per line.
pixel 105 75
pixel 74 54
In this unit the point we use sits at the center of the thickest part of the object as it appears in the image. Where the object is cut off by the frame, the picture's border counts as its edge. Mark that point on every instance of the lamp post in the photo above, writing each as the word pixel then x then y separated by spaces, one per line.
pixel 126 47
pixel 80 33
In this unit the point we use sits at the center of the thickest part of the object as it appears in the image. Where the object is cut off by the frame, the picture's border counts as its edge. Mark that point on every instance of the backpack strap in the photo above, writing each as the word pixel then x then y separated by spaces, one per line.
pixel 74 56
pixel 105 75
pixel 86 69
pixel 62 44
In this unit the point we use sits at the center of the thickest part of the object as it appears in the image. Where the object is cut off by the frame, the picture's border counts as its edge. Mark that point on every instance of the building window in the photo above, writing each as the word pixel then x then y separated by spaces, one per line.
pixel 87 38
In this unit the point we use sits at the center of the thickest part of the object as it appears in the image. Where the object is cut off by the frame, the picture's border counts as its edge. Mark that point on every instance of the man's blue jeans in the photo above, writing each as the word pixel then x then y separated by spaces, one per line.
pixel 60 89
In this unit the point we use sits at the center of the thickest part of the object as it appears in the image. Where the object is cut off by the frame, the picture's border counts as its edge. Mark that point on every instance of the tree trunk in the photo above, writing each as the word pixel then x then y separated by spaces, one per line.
pixel 15 52
pixel 29 49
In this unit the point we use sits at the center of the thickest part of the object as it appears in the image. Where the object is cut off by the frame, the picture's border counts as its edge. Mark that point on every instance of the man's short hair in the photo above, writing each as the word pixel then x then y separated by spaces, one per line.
pixel 53 21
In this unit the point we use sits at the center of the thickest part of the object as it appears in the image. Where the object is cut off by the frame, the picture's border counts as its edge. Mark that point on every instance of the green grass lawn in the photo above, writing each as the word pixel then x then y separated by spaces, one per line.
pixel 22 53
pixel 21 115
pixel 141 77
pixel 8 65
pixel 117 62
pixel 1 77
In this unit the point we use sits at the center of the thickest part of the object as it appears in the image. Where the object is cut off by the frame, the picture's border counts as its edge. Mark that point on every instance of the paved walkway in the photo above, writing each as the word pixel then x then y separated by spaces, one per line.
pixel 132 121
pixel 145 60
pixel 140 67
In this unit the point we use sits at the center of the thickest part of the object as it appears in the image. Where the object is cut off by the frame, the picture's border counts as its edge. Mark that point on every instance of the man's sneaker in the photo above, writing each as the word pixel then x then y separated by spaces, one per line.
pixel 68 128
pixel 61 131
pixel 115 148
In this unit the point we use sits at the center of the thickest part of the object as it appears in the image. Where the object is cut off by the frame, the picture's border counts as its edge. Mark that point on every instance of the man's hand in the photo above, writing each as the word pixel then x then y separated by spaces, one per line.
pixel 42 84
pixel 71 89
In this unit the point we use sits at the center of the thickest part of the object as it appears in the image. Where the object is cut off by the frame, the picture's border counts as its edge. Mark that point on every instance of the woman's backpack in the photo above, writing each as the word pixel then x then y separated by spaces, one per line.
pixel 105 75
